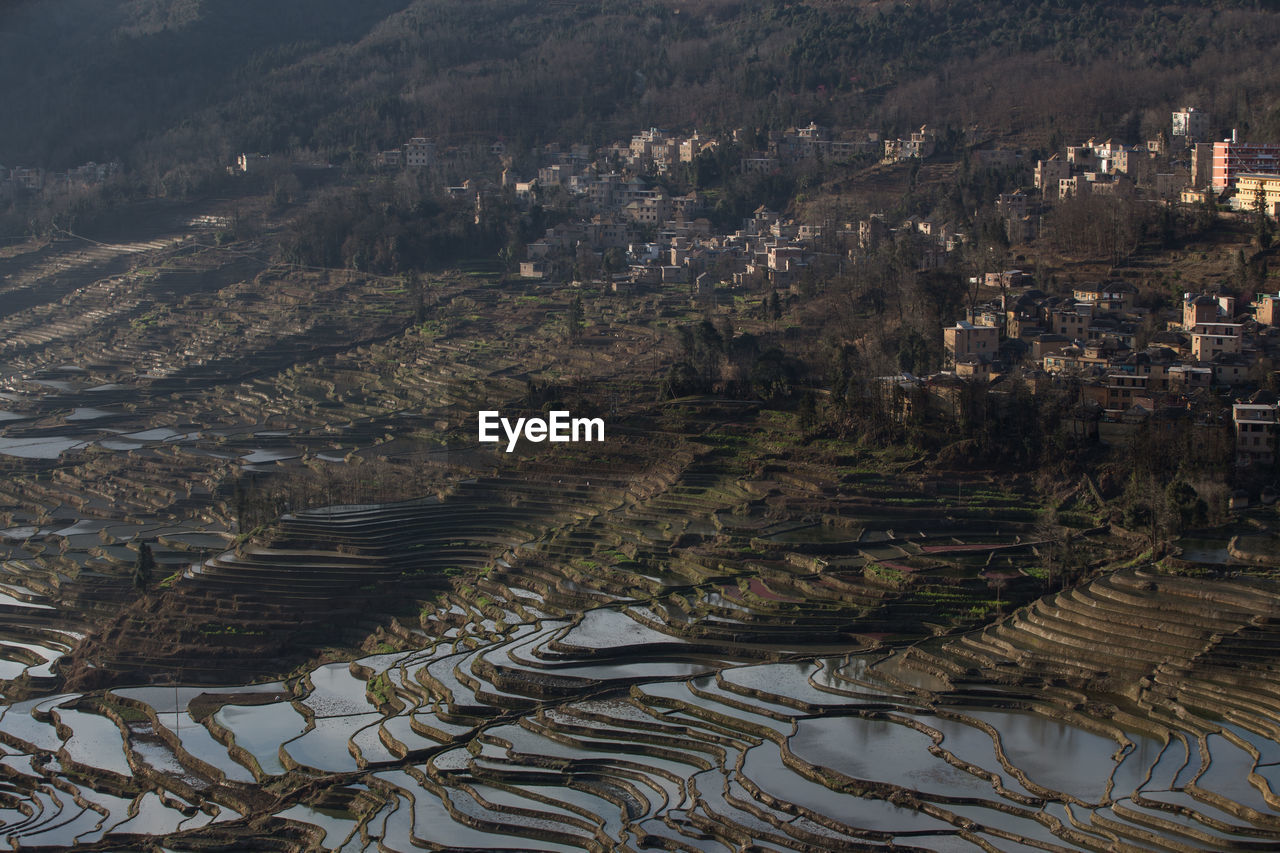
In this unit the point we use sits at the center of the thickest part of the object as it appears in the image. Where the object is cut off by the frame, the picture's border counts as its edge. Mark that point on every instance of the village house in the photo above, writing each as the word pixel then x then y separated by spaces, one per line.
pixel 1070 320
pixel 1211 339
pixel 964 339
pixel 760 164
pixel 1255 423
pixel 1267 308
pixel 1049 175
pixel 1113 296
pixel 1200 308
pixel 247 163
pixel 419 152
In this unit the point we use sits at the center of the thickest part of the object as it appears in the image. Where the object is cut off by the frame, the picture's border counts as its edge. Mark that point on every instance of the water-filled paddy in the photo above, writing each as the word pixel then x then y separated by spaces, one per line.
pixel 605 628
pixel 88 413
pixel 1036 744
pixel 261 729
pixel 48 447
pixel 262 455
pixel 325 748
pixel 763 765
pixel 882 750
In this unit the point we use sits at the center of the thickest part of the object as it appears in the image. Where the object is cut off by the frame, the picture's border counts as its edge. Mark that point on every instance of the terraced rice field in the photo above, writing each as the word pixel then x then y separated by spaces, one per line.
pixel 684 639
pixel 541 731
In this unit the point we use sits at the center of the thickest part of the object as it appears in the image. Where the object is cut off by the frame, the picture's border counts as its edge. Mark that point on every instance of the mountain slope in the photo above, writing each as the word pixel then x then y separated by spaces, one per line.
pixel 165 81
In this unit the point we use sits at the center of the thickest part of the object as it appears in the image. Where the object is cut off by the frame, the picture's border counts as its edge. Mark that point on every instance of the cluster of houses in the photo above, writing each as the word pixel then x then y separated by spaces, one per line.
pixel 1185 165
pixel 816 143
pixel 659 152
pixel 1130 366
pixel 1165 166
pixel 766 251
pixel 634 232
pixel 654 238
pixel 29 179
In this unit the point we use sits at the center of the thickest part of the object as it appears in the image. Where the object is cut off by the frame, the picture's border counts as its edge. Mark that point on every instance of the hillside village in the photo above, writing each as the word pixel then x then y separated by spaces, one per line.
pixel 1131 364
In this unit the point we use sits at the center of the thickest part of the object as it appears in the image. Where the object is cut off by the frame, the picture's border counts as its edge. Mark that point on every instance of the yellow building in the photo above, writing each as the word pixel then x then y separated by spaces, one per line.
pixel 1254 190
pixel 964 338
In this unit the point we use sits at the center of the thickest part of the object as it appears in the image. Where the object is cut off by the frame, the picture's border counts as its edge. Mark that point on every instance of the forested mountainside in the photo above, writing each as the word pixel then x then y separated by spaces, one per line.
pixel 155 83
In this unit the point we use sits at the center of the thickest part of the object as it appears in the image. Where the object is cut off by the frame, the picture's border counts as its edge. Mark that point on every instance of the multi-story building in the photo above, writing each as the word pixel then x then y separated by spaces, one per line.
pixel 419 152
pixel 1073 186
pixel 1255 422
pixel 1111 296
pixel 33 179
pixel 759 164
pixel 642 143
pixel 1211 339
pixel 1260 192
pixel 1082 156
pixel 1198 308
pixel 1050 174
pixel 1201 165
pixel 691 147
pixel 1231 159
pixel 1189 125
pixel 1267 308
pixel 871 231
pixel 1071 322
pixel 1124 390
pixel 651 210
pixel 964 338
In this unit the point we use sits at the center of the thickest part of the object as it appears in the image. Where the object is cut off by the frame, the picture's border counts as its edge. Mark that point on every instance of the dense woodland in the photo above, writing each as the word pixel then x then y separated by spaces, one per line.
pixel 166 85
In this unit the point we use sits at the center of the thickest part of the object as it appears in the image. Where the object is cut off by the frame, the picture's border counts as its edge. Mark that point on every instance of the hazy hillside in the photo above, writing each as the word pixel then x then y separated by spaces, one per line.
pixel 156 82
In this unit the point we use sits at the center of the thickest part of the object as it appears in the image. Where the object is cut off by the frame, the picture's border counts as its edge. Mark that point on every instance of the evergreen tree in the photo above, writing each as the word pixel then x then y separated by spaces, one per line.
pixel 575 318
pixel 144 569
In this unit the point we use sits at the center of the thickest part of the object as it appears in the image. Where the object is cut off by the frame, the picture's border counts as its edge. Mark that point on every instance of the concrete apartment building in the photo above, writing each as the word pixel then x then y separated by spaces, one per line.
pixel 1231 159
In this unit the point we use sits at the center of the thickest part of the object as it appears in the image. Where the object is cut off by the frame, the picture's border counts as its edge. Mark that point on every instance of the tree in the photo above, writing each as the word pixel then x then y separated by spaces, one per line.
pixel 1188 508
pixel 997 583
pixel 575 318
pixel 419 298
pixel 615 260
pixel 1055 545
pixel 144 568
pixel 1261 223
pixel 808 411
